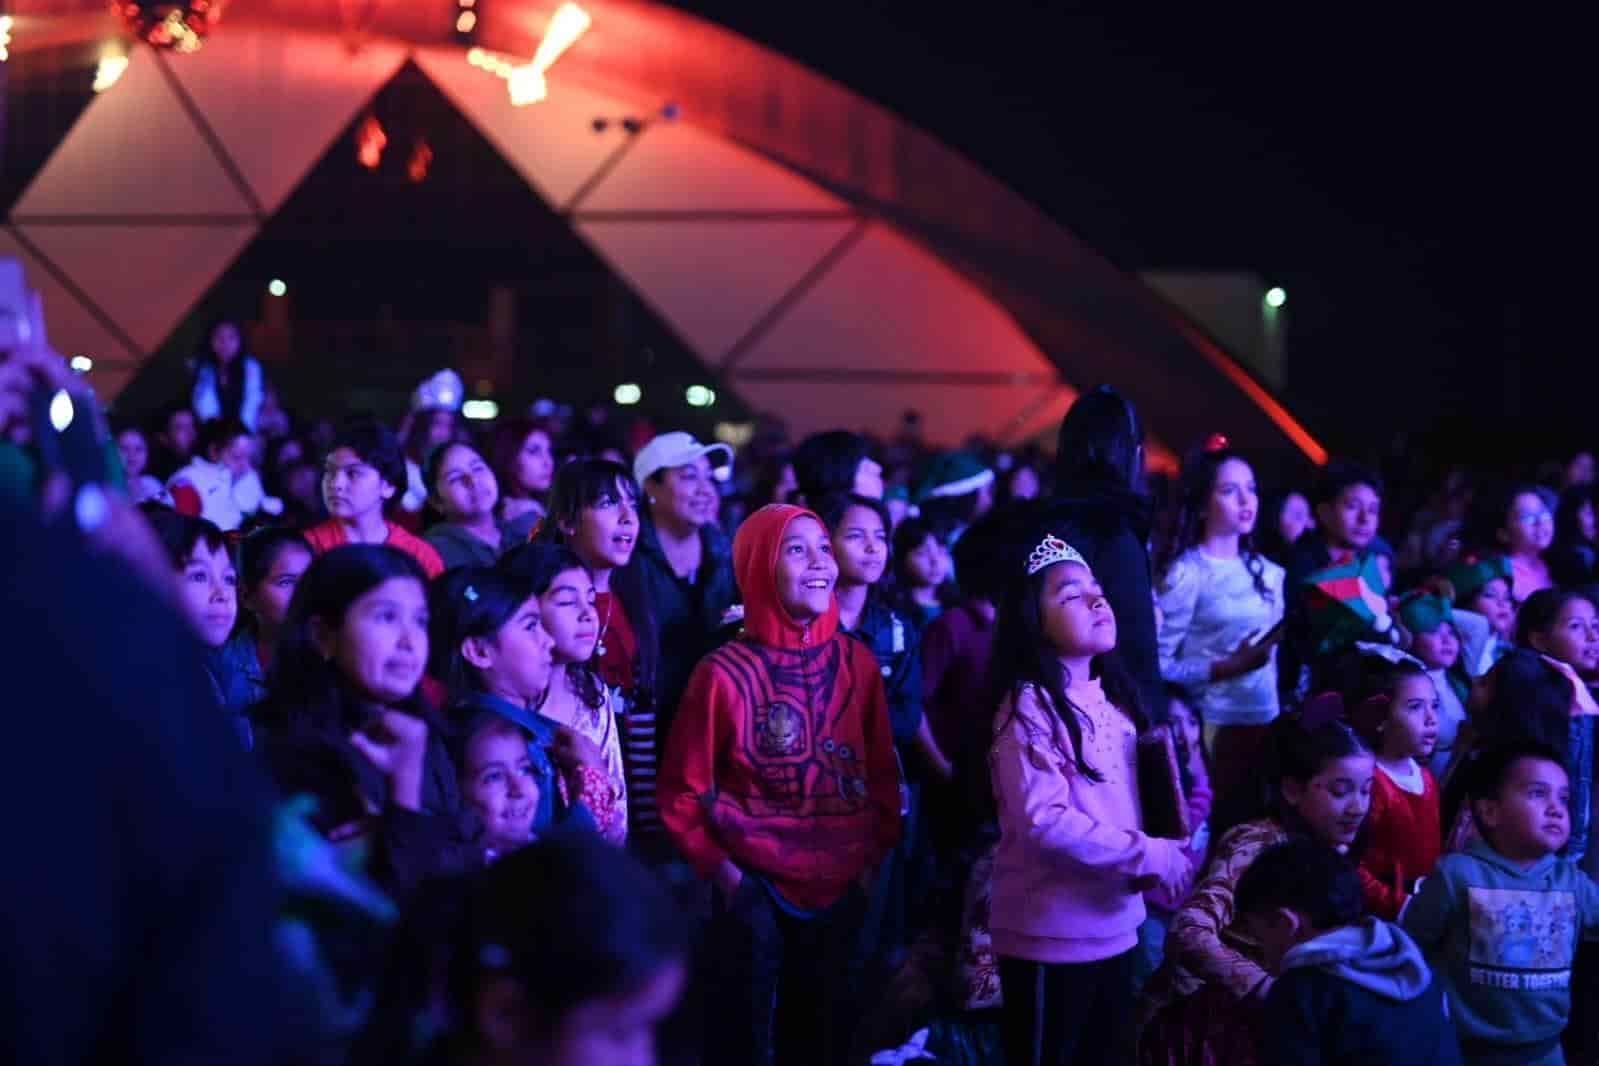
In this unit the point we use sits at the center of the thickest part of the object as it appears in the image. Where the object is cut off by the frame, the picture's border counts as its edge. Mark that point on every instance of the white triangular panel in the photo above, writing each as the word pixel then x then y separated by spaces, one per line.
pixel 552 144
pixel 276 98
pixel 953 412
pixel 133 152
pixel 713 280
pixel 677 167
pixel 72 327
pixel 890 297
pixel 145 278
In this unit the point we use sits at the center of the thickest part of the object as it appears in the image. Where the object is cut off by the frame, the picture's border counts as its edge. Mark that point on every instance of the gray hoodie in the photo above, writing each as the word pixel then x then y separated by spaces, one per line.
pixel 1503 939
pixel 1372 954
pixel 1361 995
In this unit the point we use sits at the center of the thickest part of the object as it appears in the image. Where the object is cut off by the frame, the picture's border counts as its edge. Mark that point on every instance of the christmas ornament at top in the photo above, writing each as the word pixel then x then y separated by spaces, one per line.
pixel 178 25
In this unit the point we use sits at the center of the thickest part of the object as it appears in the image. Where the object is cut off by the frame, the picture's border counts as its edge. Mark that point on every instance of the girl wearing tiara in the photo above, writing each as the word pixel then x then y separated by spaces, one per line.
pixel 1072 859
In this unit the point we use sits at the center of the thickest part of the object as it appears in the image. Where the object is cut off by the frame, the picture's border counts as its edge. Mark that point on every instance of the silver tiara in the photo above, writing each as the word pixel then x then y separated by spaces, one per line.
pixel 1052 550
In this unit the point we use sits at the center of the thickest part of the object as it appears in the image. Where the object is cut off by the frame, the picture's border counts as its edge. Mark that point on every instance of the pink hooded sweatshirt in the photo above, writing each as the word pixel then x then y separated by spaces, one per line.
pixel 1071 849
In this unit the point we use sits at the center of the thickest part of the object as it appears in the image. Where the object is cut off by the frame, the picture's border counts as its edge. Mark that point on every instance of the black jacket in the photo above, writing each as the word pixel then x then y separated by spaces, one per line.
pixel 898 648
pixel 688 615
pixel 1110 525
pixel 138 922
pixel 410 847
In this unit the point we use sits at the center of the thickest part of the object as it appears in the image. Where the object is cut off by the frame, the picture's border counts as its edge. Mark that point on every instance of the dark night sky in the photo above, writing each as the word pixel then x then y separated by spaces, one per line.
pixel 1411 183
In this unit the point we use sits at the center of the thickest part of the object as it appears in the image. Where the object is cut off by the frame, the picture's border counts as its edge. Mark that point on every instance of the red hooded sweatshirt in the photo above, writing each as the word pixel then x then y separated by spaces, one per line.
pixel 781 757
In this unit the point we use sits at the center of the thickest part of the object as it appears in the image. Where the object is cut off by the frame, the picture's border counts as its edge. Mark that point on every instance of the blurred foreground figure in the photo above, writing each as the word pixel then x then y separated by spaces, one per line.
pixel 136 920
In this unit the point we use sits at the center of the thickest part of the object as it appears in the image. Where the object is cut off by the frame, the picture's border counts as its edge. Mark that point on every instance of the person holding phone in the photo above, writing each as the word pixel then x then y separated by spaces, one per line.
pixel 1221 603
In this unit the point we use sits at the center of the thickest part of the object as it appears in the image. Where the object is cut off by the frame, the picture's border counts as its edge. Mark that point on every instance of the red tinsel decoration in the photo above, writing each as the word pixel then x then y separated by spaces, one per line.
pixel 179 25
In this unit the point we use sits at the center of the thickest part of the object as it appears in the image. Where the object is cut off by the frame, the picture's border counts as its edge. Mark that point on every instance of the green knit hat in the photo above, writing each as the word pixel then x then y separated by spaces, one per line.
pixel 1469 579
pixel 1421 612
pixel 953 474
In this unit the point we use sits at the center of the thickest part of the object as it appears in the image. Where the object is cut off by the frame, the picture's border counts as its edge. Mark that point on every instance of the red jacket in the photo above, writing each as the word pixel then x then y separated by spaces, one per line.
pixel 1403 842
pixel 781 757
pixel 330 534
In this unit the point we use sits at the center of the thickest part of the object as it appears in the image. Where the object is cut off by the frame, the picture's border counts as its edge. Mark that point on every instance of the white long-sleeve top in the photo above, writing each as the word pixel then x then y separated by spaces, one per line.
pixel 1209 606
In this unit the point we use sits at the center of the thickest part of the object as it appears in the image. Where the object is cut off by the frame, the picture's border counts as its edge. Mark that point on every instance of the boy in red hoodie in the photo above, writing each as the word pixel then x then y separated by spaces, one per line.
pixel 780 784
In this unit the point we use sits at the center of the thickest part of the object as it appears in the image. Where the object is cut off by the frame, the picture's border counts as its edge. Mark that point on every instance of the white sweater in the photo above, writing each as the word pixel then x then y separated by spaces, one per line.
pixel 1209 607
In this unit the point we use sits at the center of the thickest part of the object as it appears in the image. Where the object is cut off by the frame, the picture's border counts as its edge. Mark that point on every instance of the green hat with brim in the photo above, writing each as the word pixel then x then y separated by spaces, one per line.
pixel 953 474
pixel 1422 612
pixel 1468 579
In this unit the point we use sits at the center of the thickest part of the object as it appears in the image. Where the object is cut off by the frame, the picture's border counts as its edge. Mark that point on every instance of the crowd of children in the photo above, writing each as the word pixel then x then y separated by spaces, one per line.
pixel 811 755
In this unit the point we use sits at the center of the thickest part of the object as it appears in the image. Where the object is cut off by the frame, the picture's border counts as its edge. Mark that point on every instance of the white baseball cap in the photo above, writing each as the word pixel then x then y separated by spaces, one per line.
pixel 671 450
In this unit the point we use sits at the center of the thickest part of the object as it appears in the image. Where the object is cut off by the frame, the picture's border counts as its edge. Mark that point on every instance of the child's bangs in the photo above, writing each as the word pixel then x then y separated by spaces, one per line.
pixel 603 482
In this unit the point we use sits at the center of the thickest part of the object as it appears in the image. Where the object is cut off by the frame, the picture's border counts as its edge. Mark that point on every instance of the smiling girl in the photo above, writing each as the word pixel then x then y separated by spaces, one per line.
pixel 1201 1005
pixel 492 649
pixel 594 512
pixel 780 785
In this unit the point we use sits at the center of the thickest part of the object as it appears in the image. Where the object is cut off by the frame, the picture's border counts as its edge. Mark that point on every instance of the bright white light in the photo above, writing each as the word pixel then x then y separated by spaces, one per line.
pixel 81 364
pixel 627 394
pixel 480 410
pixel 526 83
pixel 1275 297
pixel 465 22
pixel 276 287
pixel 5 37
pixel 113 65
pixel 699 396
pixel 567 24
pixel 61 411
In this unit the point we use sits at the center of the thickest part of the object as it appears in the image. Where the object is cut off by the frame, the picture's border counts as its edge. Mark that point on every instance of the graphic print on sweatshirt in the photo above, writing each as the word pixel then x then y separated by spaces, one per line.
pixel 789 738
pixel 1522 940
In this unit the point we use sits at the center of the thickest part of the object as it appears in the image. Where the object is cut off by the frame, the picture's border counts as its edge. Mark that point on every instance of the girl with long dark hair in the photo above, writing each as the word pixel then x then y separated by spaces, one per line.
pixel 347 677
pixel 1072 860
pixel 594 511
pixel 1317 783
pixel 576 696
pixel 1219 597
pixel 491 649
pixel 1099 497
pixel 523 453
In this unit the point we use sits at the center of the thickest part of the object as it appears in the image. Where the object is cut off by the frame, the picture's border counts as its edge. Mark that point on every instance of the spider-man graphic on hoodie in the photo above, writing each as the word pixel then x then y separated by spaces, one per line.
pixel 781 756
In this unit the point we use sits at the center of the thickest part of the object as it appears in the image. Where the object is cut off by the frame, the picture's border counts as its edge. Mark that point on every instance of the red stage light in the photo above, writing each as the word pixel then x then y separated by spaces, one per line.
pixel 370 140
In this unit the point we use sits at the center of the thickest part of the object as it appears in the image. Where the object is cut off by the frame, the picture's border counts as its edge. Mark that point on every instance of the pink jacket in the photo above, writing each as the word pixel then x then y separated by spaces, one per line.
pixel 1070 849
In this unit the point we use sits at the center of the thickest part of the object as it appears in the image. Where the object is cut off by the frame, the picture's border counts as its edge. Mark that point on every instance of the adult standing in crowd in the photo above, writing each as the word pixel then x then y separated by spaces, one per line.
pixel 1099 465
pixel 683 556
